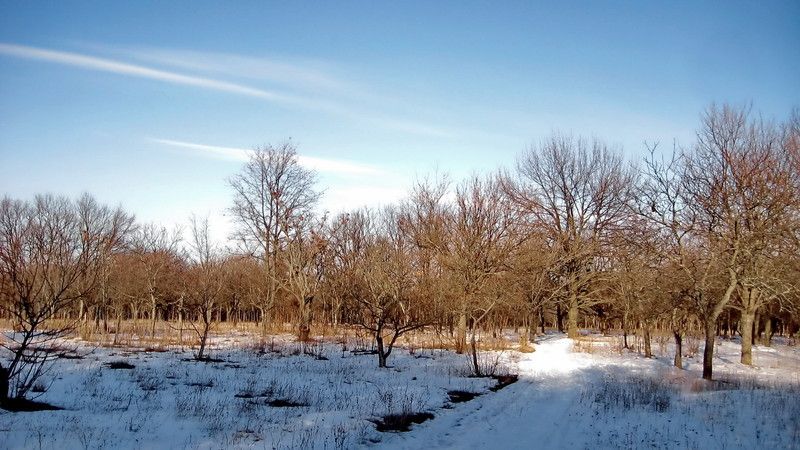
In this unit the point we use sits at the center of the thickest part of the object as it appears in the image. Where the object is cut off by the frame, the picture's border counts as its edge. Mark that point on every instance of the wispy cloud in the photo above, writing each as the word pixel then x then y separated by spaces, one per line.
pixel 287 99
pixel 107 65
pixel 322 165
pixel 303 74
pixel 211 151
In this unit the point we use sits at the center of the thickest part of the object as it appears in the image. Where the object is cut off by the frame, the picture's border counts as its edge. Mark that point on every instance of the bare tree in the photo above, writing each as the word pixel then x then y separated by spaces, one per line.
pixel 724 208
pixel 347 241
pixel 273 196
pixel 204 283
pixel 384 272
pixel 120 226
pixel 50 250
pixel 739 181
pixel 483 234
pixel 665 203
pixel 578 192
pixel 304 261
pixel 156 248
pixel 424 219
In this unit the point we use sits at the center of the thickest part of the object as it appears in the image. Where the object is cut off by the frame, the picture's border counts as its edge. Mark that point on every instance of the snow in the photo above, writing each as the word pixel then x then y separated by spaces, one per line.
pixel 609 398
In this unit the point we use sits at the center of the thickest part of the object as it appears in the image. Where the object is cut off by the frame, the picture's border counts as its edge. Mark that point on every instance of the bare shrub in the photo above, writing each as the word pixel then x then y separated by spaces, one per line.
pixel 632 392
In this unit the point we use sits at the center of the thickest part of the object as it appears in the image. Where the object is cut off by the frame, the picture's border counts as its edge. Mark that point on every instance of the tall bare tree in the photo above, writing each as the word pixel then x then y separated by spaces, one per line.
pixel 274 197
pixel 482 236
pixel 740 181
pixel 578 191
pixel 725 207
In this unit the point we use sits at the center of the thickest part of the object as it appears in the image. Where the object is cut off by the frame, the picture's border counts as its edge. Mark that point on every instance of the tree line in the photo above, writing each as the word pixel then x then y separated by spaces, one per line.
pixel 574 234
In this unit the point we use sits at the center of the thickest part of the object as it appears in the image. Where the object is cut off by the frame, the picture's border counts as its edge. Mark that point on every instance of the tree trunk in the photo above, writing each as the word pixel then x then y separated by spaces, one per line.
pixel 559 319
pixel 678 349
pixel 728 332
pixel 708 351
pixel 304 329
pixel 541 317
pixel 97 310
pixel 747 320
pixel 461 332
pixel 756 328
pixel 135 317
pixel 475 365
pixel 263 323
pixel 119 325
pixel 81 311
pixel 572 317
pixel 180 320
pixel 105 316
pixel 381 352
pixel 767 341
pixel 203 339
pixel 153 316
pixel 207 321
pixel 648 351
pixel 3 385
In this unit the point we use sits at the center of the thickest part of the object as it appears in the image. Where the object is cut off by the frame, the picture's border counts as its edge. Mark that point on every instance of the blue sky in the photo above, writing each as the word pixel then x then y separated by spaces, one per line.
pixel 146 103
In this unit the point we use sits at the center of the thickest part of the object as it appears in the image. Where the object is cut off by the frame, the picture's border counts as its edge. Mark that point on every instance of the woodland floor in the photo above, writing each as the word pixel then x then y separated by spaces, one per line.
pixel 569 394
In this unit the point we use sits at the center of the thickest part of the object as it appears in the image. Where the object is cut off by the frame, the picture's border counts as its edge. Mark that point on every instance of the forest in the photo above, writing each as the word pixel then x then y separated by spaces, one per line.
pixel 688 244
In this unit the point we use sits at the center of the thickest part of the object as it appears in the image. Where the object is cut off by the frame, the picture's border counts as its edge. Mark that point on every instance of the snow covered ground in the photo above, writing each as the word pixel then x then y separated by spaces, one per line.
pixel 566 399
pixel 333 398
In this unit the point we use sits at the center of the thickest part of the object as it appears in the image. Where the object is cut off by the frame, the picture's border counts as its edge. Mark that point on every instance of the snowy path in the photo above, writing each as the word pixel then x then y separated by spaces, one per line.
pixel 553 405
pixel 532 413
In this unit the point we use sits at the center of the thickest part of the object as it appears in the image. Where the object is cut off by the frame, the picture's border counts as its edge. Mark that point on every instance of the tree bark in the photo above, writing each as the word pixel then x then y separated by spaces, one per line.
pixel 81 311
pixel 747 320
pixel 648 351
pixel 708 351
pixel 304 329
pixel 767 341
pixel 461 333
pixel 180 320
pixel 475 365
pixel 381 353
pixel 3 385
pixel 710 325
pixel 203 340
pixel 559 319
pixel 153 316
pixel 119 325
pixel 263 323
pixel 756 328
pixel 678 349
pixel 572 317
pixel 541 317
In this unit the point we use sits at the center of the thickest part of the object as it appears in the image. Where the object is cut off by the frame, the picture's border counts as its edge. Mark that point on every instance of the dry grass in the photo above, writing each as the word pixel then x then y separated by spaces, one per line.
pixel 595 345
pixel 168 335
pixel 585 344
